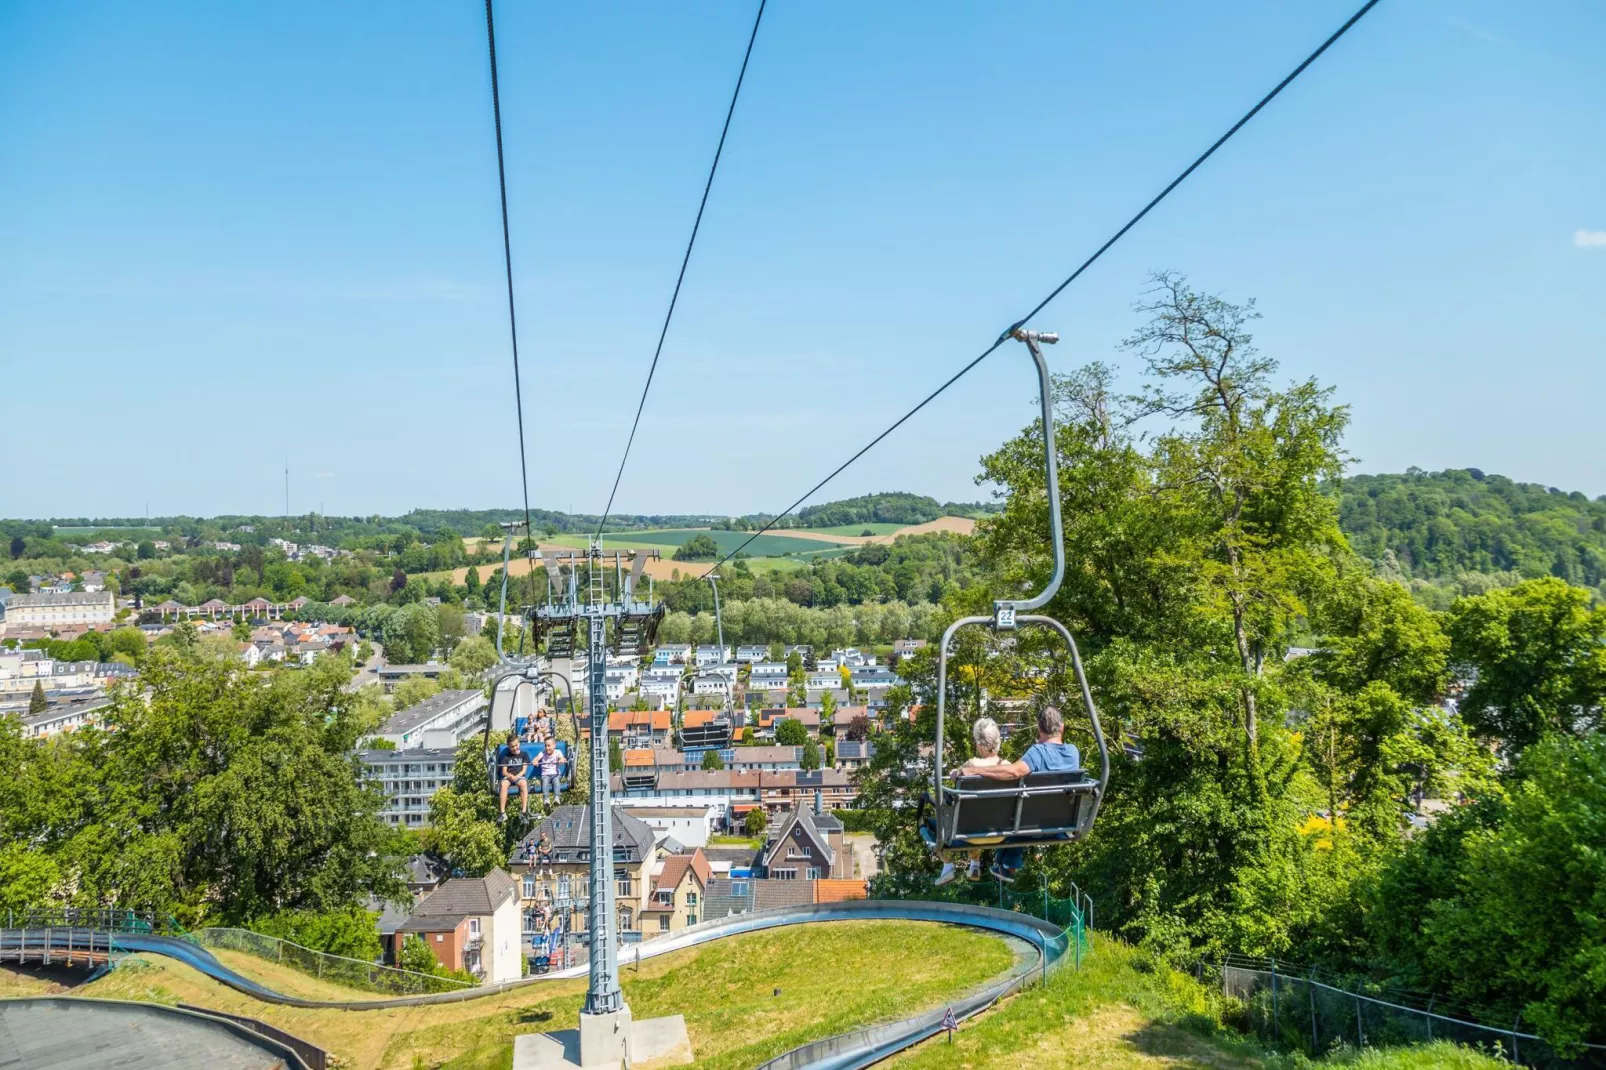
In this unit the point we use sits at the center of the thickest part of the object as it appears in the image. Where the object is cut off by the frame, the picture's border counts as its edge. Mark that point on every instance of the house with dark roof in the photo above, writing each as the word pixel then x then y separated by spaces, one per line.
pixel 472 924
pixel 561 887
pixel 807 846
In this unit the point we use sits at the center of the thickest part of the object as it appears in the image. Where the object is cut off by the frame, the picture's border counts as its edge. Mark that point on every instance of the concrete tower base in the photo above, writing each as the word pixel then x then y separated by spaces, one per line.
pixel 607 1042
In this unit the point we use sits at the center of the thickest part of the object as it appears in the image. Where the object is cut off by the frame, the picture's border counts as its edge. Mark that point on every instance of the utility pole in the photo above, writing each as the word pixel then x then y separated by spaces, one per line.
pixel 287 495
pixel 588 595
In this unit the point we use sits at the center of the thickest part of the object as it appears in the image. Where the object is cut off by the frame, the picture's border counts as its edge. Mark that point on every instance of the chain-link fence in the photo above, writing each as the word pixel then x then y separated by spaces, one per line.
pixel 1300 1008
pixel 351 973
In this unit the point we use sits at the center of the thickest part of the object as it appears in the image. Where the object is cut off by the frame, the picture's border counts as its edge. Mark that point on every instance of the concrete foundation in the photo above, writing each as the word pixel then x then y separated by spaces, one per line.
pixel 607 1042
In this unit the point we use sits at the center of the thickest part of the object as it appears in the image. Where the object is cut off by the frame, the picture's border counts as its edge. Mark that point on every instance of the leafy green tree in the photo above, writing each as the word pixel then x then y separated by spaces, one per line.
pixel 697 548
pixel 416 957
pixel 811 755
pixel 616 757
pixel 18 545
pixel 827 708
pixel 412 691
pixel 411 634
pixel 37 703
pixel 471 581
pixel 712 762
pixel 473 656
pixel 789 732
pixel 462 832
pixel 1539 651
pixel 1499 903
pixel 351 932
pixel 451 625
pixel 755 823
pixel 146 550
pixel 130 641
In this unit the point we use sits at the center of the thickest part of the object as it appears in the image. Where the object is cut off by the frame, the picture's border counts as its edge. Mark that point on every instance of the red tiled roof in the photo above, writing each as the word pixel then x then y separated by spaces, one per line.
pixel 639 757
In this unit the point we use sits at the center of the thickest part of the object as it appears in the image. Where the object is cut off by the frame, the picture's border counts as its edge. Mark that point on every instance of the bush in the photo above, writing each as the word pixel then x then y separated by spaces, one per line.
pixel 350 933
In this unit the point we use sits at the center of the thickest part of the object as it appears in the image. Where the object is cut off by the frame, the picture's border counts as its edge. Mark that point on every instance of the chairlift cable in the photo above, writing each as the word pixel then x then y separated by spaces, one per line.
pixel 507 258
pixel 1072 277
pixel 685 259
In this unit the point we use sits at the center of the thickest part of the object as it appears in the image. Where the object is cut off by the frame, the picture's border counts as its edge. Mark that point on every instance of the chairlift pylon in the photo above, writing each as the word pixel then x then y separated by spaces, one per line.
pixel 1040 809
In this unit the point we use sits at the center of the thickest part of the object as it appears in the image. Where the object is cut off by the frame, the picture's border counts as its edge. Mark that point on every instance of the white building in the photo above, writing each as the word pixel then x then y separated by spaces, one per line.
pixel 442 720
pixel 409 779
pixel 54 610
pixel 690 825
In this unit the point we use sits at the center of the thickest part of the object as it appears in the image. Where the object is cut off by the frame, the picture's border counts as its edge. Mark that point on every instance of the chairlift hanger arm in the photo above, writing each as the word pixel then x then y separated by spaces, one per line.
pixel 1005 609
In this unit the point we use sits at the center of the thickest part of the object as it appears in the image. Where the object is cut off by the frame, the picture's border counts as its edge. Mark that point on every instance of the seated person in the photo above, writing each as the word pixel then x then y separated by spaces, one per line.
pixel 1050 754
pixel 550 762
pixel 543 856
pixel 512 765
pixel 543 725
pixel 986 736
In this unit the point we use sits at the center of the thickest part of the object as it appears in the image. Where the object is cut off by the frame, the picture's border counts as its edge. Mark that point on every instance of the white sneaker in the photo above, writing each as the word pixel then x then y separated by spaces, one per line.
pixel 973 871
pixel 947 873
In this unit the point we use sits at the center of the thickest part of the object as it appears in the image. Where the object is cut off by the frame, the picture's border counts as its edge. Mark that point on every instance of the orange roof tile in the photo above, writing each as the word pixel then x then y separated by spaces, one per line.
pixel 639 757
pixel 835 891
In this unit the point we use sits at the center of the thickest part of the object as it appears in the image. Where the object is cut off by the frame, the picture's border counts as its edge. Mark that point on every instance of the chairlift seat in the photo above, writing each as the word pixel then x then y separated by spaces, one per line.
pixel 1039 809
pixel 532 776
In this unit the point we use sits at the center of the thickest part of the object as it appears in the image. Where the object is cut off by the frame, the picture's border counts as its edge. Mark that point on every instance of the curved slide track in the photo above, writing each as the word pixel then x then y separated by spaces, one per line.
pixel 843 1052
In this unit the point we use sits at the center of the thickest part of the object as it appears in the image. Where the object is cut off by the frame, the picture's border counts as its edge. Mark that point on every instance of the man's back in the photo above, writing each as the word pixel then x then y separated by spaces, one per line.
pixel 1052 758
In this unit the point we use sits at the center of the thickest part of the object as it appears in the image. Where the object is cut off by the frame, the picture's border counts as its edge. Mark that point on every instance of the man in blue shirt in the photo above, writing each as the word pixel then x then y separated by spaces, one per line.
pixel 1050 754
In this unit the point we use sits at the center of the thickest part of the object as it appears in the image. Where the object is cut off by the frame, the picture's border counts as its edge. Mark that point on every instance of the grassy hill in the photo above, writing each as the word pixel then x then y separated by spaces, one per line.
pixel 746 999
pixel 1124 1011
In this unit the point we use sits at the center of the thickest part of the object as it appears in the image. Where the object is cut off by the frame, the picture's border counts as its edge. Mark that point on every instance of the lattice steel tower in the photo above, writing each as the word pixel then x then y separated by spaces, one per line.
pixel 594 587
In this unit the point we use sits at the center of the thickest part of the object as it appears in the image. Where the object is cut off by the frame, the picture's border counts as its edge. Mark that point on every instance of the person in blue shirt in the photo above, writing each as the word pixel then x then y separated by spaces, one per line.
pixel 1050 754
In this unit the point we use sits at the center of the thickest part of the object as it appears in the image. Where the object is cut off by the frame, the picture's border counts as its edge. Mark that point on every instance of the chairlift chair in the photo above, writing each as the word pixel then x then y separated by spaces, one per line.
pixel 1042 808
pixel 504 716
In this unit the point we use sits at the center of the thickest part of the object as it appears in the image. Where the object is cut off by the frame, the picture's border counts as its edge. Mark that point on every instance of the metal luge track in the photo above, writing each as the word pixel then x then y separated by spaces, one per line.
pixel 843 1052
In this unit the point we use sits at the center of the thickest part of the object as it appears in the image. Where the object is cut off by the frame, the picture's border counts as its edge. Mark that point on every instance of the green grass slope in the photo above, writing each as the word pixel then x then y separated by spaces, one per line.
pixel 1124 1011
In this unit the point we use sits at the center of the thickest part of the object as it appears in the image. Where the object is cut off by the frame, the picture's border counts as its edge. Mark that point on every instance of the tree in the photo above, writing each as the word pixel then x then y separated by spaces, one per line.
pixel 829 747
pixel 789 732
pixel 410 634
pixel 412 691
pixel 18 545
pixel 811 755
pixel 398 580
pixel 37 703
pixel 747 736
pixel 827 708
pixel 697 548
pixel 1461 910
pixel 461 831
pixel 350 932
pixel 616 757
pixel 451 626
pixel 241 632
pixel 146 550
pixel 858 729
pixel 1539 652
pixel 471 581
pixel 129 641
pixel 712 762
pixel 473 656
pixel 756 823
pixel 416 957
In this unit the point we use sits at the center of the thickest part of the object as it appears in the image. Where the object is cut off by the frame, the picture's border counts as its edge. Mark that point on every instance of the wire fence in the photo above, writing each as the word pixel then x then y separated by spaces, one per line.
pixel 351 973
pixel 1073 913
pixel 1299 1008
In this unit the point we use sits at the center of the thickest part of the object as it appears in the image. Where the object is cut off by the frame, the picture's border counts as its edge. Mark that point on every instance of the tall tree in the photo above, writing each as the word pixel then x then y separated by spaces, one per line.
pixel 37 703
pixel 1539 654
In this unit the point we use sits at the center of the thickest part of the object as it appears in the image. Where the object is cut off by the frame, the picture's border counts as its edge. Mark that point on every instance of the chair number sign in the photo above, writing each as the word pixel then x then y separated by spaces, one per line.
pixel 1004 617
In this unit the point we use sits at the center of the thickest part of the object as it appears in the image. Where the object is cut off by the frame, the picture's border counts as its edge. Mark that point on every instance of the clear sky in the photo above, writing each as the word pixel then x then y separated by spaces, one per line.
pixel 235 234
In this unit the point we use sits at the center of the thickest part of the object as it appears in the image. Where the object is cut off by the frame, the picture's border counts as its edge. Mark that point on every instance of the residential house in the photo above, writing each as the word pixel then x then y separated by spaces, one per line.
pixel 873 676
pixel 821 789
pixel 730 794
pixel 853 754
pixel 640 728
pixel 711 655
pixel 765 759
pixel 674 902
pixel 807 846
pixel 815 700
pixel 902 648
pixel 748 655
pixel 343 600
pixel 690 826
pixel 767 675
pixel 472 924
pixel 425 873
pixel 671 653
pixel 57 719
pixel 769 718
pixel 845 716
pixel 564 888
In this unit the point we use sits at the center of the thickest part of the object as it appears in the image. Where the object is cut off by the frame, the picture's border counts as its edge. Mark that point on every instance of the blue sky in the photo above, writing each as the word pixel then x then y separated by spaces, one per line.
pixel 239 234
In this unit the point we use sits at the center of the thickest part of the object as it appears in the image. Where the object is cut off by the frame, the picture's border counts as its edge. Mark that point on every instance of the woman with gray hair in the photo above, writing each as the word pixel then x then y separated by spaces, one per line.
pixel 987 739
